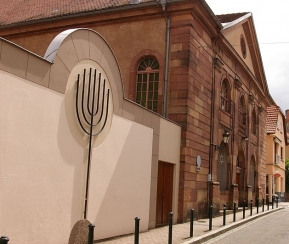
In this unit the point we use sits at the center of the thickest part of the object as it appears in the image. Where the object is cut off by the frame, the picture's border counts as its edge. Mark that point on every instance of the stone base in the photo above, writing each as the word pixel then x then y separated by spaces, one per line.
pixel 215 197
pixel 233 197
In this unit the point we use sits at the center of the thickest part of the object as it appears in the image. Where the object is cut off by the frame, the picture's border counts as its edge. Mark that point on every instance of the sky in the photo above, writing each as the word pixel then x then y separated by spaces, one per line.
pixel 271 20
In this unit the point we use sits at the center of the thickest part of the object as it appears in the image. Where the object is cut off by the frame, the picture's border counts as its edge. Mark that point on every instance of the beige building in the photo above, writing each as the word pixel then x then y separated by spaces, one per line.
pixel 44 151
pixel 276 143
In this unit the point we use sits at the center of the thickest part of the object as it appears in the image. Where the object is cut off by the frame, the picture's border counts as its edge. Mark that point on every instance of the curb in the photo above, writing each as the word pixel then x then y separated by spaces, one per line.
pixel 224 229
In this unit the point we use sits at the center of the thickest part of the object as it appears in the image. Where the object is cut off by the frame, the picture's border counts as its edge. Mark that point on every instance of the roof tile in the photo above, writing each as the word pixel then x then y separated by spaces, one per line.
pixel 272 117
pixel 18 11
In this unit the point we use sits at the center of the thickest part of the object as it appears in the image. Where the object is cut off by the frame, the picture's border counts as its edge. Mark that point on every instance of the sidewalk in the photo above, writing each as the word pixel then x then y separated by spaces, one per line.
pixel 201 233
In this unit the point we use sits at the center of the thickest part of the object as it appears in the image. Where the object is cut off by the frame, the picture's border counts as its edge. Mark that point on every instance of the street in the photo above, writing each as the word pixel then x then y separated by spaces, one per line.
pixel 272 228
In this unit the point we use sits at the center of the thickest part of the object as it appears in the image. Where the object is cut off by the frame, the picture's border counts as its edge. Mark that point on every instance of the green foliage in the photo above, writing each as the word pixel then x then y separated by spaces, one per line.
pixel 287 174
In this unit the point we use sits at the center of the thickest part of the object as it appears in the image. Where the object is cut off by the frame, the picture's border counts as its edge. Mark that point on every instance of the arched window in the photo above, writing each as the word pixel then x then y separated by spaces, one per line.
pixel 148 83
pixel 225 96
pixel 252 173
pixel 242 111
pixel 254 122
pixel 222 169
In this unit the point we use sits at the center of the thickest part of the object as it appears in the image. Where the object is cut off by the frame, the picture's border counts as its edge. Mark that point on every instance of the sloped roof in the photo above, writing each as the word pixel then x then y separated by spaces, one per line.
pixel 225 18
pixel 272 118
pixel 18 11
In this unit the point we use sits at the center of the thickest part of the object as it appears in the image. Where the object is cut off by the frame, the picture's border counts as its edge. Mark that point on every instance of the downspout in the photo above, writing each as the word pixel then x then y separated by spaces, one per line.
pixel 211 152
pixel 166 71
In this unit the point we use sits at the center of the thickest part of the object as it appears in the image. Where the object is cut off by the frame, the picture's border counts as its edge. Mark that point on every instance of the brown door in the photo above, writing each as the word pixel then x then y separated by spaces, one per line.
pixel 164 193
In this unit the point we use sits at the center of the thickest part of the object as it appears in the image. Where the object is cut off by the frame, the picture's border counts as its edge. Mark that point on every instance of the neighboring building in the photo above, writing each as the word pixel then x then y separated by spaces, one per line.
pixel 276 143
pixel 178 59
pixel 287 133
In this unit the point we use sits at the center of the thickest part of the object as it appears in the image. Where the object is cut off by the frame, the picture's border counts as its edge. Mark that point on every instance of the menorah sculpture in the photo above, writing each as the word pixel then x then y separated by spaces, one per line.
pixel 92 102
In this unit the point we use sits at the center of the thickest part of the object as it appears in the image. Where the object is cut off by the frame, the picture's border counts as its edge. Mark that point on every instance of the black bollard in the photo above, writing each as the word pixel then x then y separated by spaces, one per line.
pixel 244 203
pixel 170 241
pixel 273 199
pixel 263 202
pixel 234 212
pixel 224 214
pixel 257 203
pixel 251 207
pixel 210 217
pixel 136 230
pixel 192 223
pixel 277 201
pixel 4 240
pixel 268 203
pixel 90 233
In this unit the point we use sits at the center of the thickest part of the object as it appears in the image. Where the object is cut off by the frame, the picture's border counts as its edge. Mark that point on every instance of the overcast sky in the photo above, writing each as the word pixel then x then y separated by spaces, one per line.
pixel 271 20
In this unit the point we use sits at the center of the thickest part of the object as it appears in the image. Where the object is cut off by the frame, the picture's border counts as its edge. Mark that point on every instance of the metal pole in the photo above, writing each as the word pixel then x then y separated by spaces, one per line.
pixel 257 203
pixel 268 203
pixel 192 223
pixel 136 230
pixel 170 241
pixel 251 207
pixel 263 202
pixel 273 199
pixel 277 202
pixel 86 111
pixel 4 240
pixel 90 233
pixel 210 217
pixel 234 212
pixel 224 214
pixel 244 203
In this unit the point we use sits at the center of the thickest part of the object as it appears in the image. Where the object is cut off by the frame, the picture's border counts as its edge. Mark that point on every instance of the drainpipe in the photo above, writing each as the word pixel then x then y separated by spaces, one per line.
pixel 166 71
pixel 211 151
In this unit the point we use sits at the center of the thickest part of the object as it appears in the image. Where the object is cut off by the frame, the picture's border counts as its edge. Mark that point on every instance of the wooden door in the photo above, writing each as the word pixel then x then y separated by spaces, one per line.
pixel 164 193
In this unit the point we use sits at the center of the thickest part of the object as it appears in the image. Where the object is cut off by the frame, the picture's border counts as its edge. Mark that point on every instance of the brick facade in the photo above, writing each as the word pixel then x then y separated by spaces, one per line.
pixel 200 58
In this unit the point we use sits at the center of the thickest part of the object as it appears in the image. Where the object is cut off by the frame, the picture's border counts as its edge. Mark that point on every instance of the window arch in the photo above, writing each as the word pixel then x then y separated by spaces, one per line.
pixel 225 96
pixel 242 111
pixel 148 83
pixel 254 122
pixel 139 67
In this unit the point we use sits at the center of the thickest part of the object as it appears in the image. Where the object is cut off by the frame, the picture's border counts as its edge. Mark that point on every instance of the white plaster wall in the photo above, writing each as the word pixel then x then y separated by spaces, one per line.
pixel 40 173
pixel 170 142
pixel 42 168
pixel 120 179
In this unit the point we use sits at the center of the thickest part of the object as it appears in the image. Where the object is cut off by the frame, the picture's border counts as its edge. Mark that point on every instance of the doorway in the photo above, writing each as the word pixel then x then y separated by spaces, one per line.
pixel 164 193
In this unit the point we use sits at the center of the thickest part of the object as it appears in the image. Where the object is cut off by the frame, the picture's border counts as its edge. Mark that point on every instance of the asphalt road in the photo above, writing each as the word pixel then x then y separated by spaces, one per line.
pixel 272 228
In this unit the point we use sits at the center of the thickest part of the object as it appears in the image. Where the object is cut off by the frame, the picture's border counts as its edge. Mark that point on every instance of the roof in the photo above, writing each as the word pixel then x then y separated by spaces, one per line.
pixel 226 18
pixel 19 11
pixel 272 118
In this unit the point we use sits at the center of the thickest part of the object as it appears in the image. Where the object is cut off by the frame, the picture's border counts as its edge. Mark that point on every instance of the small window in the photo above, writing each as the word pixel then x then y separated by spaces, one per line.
pixel 281 153
pixel 242 111
pixel 148 83
pixel 254 122
pixel 252 174
pixel 225 96
pixel 243 46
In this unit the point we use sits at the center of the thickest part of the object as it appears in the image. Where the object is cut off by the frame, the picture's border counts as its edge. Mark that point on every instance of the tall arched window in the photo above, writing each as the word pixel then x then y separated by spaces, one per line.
pixel 242 111
pixel 148 83
pixel 222 169
pixel 254 122
pixel 252 173
pixel 225 96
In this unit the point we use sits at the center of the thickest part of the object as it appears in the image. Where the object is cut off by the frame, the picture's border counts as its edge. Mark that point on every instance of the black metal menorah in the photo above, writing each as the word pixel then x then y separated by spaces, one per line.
pixel 92 102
